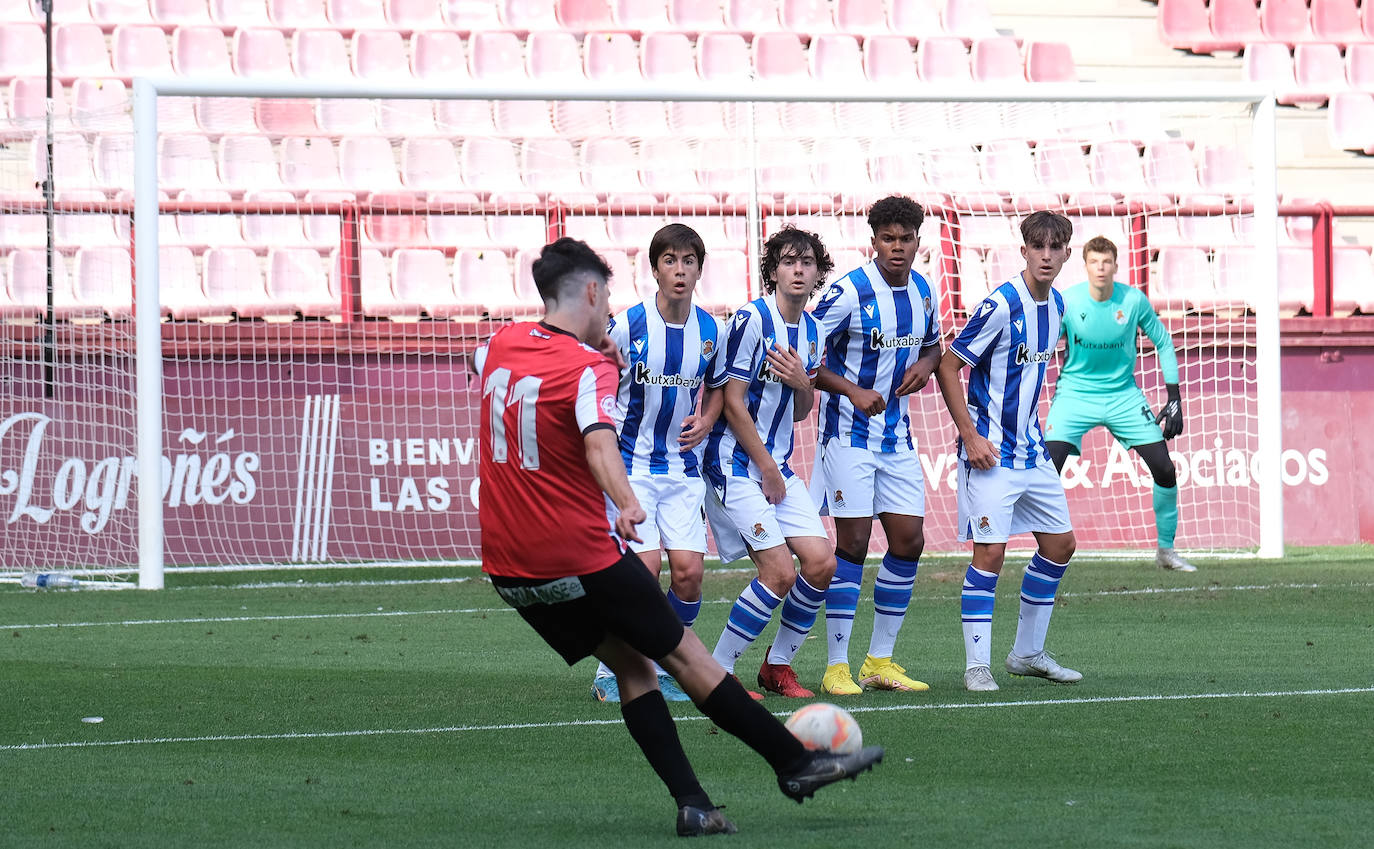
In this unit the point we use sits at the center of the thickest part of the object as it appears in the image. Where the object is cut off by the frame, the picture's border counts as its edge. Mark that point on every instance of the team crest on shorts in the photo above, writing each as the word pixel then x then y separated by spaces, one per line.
pixel 984 526
pixel 759 532
pixel 839 498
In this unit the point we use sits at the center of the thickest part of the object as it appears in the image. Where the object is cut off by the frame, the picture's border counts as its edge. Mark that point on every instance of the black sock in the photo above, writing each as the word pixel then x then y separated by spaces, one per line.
pixel 651 726
pixel 730 707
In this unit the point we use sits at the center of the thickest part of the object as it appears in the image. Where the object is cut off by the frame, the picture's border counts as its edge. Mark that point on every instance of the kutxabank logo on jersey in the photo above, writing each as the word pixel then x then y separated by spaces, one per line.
pixel 877 340
pixel 647 376
pixel 1025 356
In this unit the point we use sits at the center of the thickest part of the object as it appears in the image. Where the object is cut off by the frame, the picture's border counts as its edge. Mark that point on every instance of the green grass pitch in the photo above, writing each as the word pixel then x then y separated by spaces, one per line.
pixel 399 708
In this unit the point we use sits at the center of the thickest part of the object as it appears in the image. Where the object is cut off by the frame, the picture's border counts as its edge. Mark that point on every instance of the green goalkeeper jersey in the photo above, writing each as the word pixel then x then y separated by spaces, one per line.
pixel 1100 339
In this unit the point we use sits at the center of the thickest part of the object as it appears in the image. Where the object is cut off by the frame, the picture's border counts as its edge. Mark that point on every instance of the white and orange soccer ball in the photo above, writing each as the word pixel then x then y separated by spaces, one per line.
pixel 826 727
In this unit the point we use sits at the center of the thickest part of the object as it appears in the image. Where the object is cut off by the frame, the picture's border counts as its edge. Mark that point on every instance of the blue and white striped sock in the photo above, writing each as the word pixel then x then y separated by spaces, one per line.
pixel 687 611
pixel 975 605
pixel 799 611
pixel 748 617
pixel 841 600
pixel 1038 588
pixel 891 598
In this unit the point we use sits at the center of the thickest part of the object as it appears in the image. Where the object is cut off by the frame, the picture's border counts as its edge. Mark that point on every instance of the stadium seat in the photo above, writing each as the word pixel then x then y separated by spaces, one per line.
pixel 178 285
pixel 640 16
pixel 1208 232
pixel 368 164
pixel 261 53
pixel 409 118
pixel 589 228
pixel 1050 62
pixel 915 19
pixel 841 169
pixel 297 283
pixel 480 277
pixel 724 281
pixel 809 17
pixel 1010 167
pixel 99 105
pixel 997 60
pixel 420 280
pixel 294 14
pixel 200 51
pixel 1367 20
pixel 1223 171
pixel 489 166
pixel 26 274
pixel 666 56
pixel 967 19
pixel 247 163
pixel 1352 280
pixel 523 298
pixel 1183 24
pixel 140 50
pixel 1269 64
pixel 339 116
pixel 1319 72
pixel 464 118
pixel 79 51
pixel 71 162
pixel 77 230
pixel 751 16
pixel 528 15
pixel 1234 271
pixel 112 160
pixel 429 164
pixel 166 224
pixel 723 56
pixel 1336 21
pixel 584 15
pixel 320 54
pixel 1116 169
pixel 1349 121
pixel 1285 20
pixel 438 55
pixel 861 17
pixel 262 230
pixel 102 284
pixel 608 167
pixel 779 55
pixel 942 59
pixel 418 15
pixel 1184 278
pixel 471 15
pixel 308 163
pixel 180 13
pixel 200 230
pixel 667 166
pixel 28 229
pixel 1359 66
pixel 186 162
pixel 21 50
pixel 119 12
pixel 693 16
pixel 239 13
pixel 1295 280
pixel 285 116
pixel 551 167
pixel 28 104
pixel 1169 168
pixel 1062 168
pixel 354 14
pixel 1235 23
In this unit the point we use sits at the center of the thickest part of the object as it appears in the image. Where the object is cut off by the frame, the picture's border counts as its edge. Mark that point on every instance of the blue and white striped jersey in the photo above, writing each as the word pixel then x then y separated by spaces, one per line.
pixel 752 332
pixel 667 364
pixel 873 333
pixel 1009 341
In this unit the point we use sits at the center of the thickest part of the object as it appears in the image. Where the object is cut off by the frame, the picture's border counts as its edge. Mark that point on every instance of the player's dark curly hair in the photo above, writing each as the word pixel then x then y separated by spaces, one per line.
pixel 1046 226
pixel 896 209
pixel 793 241
pixel 563 260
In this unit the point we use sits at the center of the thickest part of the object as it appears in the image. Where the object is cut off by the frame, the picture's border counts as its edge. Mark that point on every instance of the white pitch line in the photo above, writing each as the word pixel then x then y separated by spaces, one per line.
pixel 502 609
pixel 517 726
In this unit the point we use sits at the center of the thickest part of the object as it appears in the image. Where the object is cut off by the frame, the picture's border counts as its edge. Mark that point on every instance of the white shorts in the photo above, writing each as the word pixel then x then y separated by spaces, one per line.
pixel 741 518
pixel 851 482
pixel 998 502
pixel 672 505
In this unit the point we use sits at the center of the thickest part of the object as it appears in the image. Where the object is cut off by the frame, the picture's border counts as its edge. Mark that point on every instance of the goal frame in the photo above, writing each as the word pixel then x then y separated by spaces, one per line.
pixel 148 340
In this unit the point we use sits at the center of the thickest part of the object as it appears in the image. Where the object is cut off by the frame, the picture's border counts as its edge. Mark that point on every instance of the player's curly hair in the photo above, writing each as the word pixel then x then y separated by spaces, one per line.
pixel 1046 226
pixel 793 240
pixel 562 260
pixel 896 209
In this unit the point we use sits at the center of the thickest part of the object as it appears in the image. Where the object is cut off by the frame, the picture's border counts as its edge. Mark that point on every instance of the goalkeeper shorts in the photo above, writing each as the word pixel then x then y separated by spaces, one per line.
pixel 1126 414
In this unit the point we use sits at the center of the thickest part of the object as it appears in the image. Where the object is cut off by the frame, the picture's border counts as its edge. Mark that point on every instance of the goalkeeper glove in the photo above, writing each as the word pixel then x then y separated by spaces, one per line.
pixel 1170 418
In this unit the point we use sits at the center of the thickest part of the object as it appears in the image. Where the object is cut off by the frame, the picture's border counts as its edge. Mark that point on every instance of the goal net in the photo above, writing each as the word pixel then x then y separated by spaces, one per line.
pixel 325 267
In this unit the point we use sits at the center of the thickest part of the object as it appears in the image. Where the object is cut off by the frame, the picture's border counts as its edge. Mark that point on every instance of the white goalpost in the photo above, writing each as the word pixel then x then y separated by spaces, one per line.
pixel 323 414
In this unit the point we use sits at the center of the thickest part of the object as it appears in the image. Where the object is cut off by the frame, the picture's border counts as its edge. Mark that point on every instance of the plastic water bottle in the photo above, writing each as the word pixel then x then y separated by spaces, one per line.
pixel 48 580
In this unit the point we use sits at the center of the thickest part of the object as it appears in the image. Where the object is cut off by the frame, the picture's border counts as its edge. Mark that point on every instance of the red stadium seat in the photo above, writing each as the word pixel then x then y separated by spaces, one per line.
pixel 667 166
pixel 200 51
pixel 119 12
pixel 779 55
pixel 233 282
pixel 297 283
pixel 26 280
pixel 1184 280
pixel 99 105
pixel 1010 167
pixel 1319 71
pixel 180 12
pixel 247 163
pixel 27 229
pixel 1062 168
pixel 1285 20
pixel 200 230
pixel 265 229
pixel 345 115
pixel 1183 23
pixel 1352 280
pixel 1234 270
pixel 752 16
pixel 695 16
pixel 861 17
pixel 1050 62
pixel 296 13
pixel 261 53
pixel 1169 168
pixel 71 162
pixel 527 15
pixel 551 167
pixel 353 14
pixel 479 277
pixel 471 15
pixel 178 284
pixel 667 56
pixel 837 59
pixel 489 166
pixel 1223 171
pixel 140 50
pixel 429 164
pixel 1359 66
pixel 641 16
pixel 75 230
pixel 1295 280
pixel 285 116
pixel 997 60
pixel 967 19
pixel 420 279
pixel 585 15
pixel 723 56
pixel 186 162
pixel 496 55
pixel 239 13
pixel 806 16
pixel 417 15
pixel 28 103
pixel 438 55
pixel 1367 20
pixel 889 59
pixel 79 50
pixel 915 19
pixel 1350 121
pixel 1234 23
pixel 406 118
pixel 320 54
pixel 308 164
pixel 1269 63
pixel 1336 21
pixel 367 163
pixel 943 59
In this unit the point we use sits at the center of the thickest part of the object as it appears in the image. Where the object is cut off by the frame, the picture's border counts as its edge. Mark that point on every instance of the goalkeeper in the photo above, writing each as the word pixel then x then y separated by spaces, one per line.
pixel 1097 385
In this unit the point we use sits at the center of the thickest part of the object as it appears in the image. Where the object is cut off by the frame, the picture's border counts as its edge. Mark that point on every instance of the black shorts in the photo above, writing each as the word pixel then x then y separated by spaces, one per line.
pixel 574 615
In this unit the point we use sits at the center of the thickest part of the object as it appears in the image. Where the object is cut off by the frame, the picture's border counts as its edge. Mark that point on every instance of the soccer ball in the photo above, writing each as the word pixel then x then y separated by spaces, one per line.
pixel 826 727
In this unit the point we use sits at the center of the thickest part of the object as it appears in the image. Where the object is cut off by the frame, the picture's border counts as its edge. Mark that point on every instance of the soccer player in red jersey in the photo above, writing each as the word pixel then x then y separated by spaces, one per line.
pixel 548 453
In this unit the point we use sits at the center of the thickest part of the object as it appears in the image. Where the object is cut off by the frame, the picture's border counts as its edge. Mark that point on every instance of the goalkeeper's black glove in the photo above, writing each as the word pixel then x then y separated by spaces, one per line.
pixel 1170 418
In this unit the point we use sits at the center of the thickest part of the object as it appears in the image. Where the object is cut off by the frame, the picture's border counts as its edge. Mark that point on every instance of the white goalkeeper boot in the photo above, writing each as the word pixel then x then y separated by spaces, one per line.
pixel 1168 558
